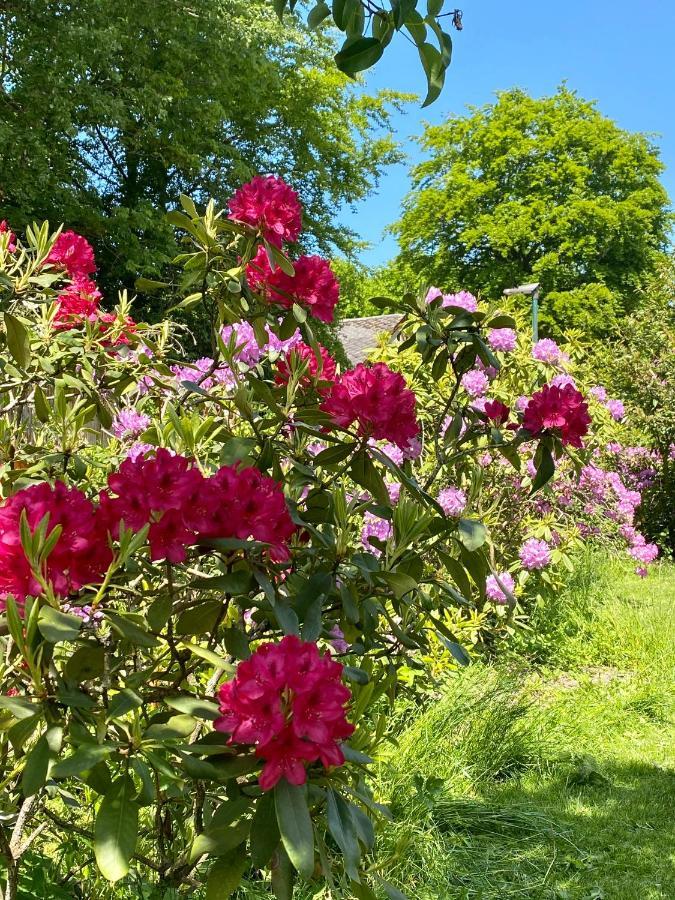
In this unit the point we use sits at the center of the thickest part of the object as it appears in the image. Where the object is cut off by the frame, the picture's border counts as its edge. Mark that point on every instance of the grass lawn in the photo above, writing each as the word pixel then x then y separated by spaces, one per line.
pixel 555 783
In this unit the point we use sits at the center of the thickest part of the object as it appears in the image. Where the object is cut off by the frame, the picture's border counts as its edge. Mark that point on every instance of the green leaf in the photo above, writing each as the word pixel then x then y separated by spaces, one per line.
pixel 220 841
pixel 295 825
pixel 42 408
pixel 472 533
pixel 18 340
pixel 116 830
pixel 123 702
pixel 238 582
pixel 434 69
pixel 283 875
pixel 220 662
pixel 176 727
pixel 334 454
pixel 131 631
pixel 364 472
pixel 342 827
pixel 38 759
pixel 225 875
pixel 19 708
pixel 148 285
pixel 200 619
pixel 357 55
pixel 56 626
pixel 264 831
pixel 279 260
pixel 545 468
pixel 320 12
pixel 193 706
pixel 400 583
pixel 83 759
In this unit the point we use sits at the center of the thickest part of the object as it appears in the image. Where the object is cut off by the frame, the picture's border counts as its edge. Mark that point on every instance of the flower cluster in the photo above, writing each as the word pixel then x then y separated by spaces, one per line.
pixel 502 339
pixel 452 501
pixel 72 253
pixel 269 205
pixel 241 338
pixel 546 350
pixel 11 240
pixel 375 527
pixel 129 423
pixel 182 506
pixel 494 591
pixel 80 555
pixel 462 299
pixel 313 284
pixel 316 370
pixel 287 701
pixel 475 382
pixel 378 400
pixel 535 554
pixel 559 411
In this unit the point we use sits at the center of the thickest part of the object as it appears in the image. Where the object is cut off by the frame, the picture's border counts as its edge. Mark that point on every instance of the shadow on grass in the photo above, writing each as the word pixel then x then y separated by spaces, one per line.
pixel 588 833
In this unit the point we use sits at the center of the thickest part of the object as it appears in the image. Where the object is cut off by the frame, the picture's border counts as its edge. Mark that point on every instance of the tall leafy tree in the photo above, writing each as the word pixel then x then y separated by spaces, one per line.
pixel 109 110
pixel 545 189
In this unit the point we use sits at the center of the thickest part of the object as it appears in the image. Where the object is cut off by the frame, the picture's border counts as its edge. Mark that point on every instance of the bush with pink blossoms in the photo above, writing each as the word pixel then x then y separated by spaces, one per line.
pixel 220 528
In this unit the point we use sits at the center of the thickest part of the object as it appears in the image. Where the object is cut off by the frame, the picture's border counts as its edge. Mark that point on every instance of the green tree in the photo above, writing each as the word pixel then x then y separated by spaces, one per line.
pixel 528 189
pixel 109 111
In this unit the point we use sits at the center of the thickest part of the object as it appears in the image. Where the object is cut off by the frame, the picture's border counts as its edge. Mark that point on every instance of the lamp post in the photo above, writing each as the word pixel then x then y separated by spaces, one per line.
pixel 529 290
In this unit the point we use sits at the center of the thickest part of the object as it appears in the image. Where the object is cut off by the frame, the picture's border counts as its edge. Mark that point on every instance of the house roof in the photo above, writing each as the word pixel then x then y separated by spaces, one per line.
pixel 360 336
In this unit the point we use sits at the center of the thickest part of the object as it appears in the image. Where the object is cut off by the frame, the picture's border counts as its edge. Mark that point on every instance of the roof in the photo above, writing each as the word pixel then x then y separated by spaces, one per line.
pixel 360 336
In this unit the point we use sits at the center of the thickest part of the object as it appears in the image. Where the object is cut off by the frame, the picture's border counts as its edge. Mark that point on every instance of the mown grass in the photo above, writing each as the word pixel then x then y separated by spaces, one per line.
pixel 549 782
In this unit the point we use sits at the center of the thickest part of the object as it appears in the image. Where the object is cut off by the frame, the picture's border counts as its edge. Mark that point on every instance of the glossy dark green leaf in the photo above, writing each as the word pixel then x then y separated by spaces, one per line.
pixel 84 758
pixel 295 825
pixel 343 829
pixel 472 533
pixel 57 626
pixel 265 835
pixel 18 340
pixel 131 631
pixel 199 619
pixel 116 830
pixel 357 55
pixel 193 706
pixel 545 468
pixel 123 702
pixel 225 875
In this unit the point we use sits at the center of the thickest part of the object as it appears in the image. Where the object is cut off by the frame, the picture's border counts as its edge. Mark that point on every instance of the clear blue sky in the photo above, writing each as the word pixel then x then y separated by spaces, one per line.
pixel 619 53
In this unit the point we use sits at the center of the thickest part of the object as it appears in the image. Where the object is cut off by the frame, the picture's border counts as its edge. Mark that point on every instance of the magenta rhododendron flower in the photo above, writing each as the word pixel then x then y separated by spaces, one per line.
pixel 313 286
pixel 535 554
pixel 559 411
pixel 11 241
pixel 77 302
pixel 73 253
pixel 303 353
pixel 497 412
pixel 80 556
pixel 129 423
pixel 287 701
pixel 546 350
pixel 503 339
pixel 378 400
pixel 452 500
pixel 494 591
pixel 475 382
pixel 268 204
pixel 169 493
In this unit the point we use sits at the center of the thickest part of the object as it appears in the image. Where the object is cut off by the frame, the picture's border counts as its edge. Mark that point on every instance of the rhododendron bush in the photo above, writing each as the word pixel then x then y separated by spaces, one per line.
pixel 217 575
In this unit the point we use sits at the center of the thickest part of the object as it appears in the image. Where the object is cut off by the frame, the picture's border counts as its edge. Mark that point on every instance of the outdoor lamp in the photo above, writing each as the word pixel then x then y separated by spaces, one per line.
pixel 529 290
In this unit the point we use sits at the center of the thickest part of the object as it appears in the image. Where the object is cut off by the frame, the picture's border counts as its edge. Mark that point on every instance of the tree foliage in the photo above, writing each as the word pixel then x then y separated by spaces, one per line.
pixel 528 189
pixel 108 111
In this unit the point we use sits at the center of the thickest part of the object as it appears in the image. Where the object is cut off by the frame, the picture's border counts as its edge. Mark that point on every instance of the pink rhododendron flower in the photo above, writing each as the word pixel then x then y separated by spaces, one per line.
pixel 11 241
pixel 494 591
pixel 546 350
pixel 452 500
pixel 475 382
pixel 288 701
pixel 129 423
pixel 463 299
pixel 433 294
pixel 73 253
pixel 338 642
pixel 535 554
pixel 374 526
pixel 377 399
pixel 268 204
pixel 559 411
pixel 502 339
pixel 313 286
pixel 644 553
pixel 80 556
pixel 599 393
pixel 562 380
pixel 616 409
pixel 138 449
pixel 303 353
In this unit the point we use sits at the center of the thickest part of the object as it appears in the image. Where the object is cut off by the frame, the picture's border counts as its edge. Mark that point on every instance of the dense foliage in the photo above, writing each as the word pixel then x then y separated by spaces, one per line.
pixel 108 112
pixel 369 27
pixel 542 190
pixel 217 577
